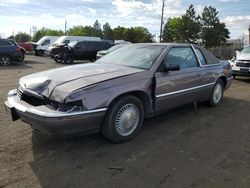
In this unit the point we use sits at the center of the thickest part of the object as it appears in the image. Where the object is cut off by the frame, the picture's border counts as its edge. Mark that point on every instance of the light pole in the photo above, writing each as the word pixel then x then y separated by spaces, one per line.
pixel 162 14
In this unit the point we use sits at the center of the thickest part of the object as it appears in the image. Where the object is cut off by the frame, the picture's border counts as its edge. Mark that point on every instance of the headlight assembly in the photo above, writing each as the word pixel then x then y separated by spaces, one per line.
pixel 69 107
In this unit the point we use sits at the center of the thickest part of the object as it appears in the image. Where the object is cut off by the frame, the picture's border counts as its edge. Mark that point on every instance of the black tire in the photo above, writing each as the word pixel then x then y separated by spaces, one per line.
pixel 92 59
pixel 68 60
pixel 22 57
pixel 217 95
pixel 57 58
pixel 5 60
pixel 109 128
pixel 39 52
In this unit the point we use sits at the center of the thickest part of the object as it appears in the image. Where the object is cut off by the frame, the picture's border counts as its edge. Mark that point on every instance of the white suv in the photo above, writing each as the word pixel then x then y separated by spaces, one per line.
pixel 241 63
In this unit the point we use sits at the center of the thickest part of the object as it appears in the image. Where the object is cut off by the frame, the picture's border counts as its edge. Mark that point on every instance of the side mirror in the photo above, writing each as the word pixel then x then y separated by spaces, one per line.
pixel 172 67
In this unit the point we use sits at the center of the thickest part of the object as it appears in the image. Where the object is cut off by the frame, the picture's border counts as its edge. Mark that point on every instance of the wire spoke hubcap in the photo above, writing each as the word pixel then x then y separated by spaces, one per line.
pixel 127 119
pixel 217 93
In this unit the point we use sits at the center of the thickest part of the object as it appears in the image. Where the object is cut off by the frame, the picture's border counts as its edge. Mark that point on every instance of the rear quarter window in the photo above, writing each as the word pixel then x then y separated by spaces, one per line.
pixel 200 56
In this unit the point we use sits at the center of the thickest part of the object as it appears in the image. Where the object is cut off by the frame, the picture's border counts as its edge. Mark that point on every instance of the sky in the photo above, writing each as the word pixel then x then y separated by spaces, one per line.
pixel 21 15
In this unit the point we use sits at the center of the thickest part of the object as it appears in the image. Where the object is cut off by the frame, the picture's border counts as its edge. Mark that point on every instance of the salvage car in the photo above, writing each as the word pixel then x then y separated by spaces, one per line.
pixel 10 52
pixel 116 93
pixel 241 63
pixel 83 50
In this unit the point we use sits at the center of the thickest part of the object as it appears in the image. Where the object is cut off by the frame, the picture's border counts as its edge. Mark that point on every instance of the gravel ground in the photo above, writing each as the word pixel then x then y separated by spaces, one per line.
pixel 179 149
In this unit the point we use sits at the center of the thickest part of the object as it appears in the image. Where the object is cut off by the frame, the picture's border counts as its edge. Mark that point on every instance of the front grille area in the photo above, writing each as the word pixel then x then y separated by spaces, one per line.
pixel 243 64
pixel 20 91
pixel 30 98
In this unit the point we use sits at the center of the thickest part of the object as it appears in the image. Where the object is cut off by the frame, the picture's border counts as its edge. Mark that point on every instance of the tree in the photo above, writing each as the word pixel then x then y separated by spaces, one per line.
pixel 119 33
pixel 133 34
pixel 213 32
pixel 190 26
pixel 172 30
pixel 182 29
pixel 107 31
pixel 46 32
pixel 97 29
pixel 139 35
pixel 22 37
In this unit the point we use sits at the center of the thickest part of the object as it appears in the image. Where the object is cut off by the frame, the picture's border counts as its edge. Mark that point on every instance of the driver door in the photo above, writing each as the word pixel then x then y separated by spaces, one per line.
pixel 175 88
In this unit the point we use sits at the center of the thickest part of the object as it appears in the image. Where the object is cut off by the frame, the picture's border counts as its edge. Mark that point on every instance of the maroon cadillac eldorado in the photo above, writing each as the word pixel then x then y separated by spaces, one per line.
pixel 115 94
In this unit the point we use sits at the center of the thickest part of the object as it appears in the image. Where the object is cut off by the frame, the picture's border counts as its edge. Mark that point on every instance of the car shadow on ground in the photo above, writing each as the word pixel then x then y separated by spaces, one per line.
pixel 14 66
pixel 243 79
pixel 93 161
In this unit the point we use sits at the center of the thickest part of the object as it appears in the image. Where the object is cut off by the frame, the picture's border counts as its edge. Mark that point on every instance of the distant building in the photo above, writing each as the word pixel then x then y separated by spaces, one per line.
pixel 236 44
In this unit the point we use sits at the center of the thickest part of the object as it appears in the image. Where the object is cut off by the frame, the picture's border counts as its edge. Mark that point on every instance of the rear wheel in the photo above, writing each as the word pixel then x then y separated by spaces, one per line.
pixel 124 119
pixel 22 56
pixel 68 59
pixel 5 60
pixel 217 93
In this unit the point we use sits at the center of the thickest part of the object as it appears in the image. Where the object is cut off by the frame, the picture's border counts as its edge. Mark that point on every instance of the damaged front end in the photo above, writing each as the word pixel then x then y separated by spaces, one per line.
pixel 36 99
pixel 52 117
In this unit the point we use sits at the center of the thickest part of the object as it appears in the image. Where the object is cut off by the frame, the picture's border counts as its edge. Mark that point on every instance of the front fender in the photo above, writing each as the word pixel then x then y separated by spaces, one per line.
pixel 104 97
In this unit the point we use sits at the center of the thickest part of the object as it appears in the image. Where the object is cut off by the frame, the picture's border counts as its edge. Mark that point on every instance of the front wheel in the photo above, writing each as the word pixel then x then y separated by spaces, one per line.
pixel 124 119
pixel 217 93
pixel 5 60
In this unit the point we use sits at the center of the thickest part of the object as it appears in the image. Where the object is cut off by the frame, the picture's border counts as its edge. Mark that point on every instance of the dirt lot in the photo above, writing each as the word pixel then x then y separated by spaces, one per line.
pixel 179 149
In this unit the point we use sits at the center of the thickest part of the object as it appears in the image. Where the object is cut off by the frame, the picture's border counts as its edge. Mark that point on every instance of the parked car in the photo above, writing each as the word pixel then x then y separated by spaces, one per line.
pixel 116 93
pixel 10 51
pixel 241 63
pixel 43 44
pixel 28 46
pixel 68 39
pixel 83 50
pixel 105 52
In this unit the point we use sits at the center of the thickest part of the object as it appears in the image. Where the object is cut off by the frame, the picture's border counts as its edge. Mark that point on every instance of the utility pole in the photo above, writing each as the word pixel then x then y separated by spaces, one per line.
pixel 65 27
pixel 162 14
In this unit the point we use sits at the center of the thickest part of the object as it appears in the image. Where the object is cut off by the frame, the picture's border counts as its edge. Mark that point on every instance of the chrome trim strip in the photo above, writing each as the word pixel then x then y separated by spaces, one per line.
pixel 184 90
pixel 63 114
pixel 230 78
pixel 55 114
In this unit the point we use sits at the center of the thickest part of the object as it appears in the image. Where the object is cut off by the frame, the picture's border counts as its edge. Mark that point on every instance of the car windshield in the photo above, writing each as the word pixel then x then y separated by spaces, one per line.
pixel 113 48
pixel 246 50
pixel 137 56
pixel 72 44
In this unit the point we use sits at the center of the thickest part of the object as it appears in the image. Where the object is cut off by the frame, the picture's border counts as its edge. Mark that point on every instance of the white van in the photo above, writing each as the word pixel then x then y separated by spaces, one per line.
pixel 42 45
pixel 68 39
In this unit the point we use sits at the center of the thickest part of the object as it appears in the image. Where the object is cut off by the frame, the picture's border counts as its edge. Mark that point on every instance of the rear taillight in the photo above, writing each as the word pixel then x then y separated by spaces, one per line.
pixel 18 49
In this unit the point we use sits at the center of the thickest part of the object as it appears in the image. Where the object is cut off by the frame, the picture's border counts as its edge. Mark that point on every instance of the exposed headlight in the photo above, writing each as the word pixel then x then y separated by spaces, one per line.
pixel 69 107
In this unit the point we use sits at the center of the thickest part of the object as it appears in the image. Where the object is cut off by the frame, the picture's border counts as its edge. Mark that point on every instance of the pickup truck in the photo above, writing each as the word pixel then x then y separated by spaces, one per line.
pixel 115 94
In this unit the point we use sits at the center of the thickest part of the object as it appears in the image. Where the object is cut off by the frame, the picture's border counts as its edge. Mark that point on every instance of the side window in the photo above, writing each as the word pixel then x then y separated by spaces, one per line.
pixel 46 42
pixel 5 43
pixel 200 56
pixel 182 56
pixel 79 45
pixel 83 46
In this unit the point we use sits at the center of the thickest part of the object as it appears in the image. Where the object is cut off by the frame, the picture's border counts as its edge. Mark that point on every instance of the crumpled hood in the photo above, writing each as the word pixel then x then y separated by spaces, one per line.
pixel 58 83
pixel 243 56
